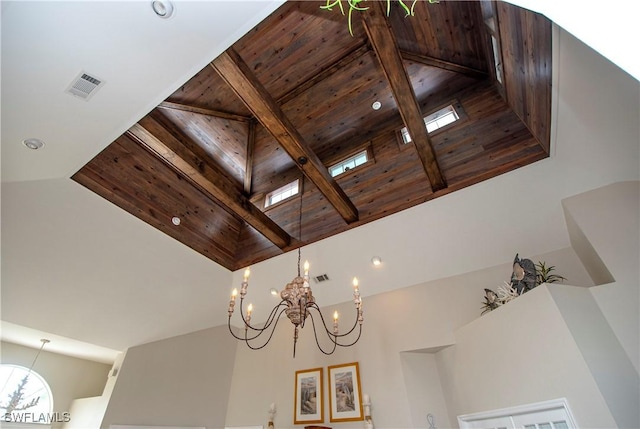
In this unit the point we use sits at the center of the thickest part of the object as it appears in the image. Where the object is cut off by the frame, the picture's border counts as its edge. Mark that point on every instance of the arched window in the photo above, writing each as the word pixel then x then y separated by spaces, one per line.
pixel 25 397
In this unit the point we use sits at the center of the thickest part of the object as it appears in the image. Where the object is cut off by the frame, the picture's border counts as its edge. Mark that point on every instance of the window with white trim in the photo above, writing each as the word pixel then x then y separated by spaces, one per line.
pixel 349 163
pixel 25 397
pixel 496 58
pixel 434 121
pixel 281 194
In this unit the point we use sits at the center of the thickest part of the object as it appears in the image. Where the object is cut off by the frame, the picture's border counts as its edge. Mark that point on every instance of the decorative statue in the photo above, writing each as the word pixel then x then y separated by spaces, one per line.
pixel 523 278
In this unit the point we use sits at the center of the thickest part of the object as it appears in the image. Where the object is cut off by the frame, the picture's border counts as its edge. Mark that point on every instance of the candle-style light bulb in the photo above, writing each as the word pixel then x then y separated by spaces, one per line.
pixel 335 315
pixel 355 283
pixel 247 272
pixel 335 322
pixel 306 268
pixel 232 303
pixel 249 310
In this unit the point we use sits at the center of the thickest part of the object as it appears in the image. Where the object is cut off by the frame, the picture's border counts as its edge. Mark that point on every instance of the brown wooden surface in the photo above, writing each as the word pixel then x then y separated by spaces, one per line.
pixel 384 44
pixel 526 53
pixel 302 85
pixel 157 139
pixel 237 74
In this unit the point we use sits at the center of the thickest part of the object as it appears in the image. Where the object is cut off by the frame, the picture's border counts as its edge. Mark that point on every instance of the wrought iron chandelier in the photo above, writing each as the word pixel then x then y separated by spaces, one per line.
pixel 298 302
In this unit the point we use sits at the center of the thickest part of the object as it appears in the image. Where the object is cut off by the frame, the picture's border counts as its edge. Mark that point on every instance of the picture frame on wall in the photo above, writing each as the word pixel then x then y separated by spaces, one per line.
pixel 309 394
pixel 345 398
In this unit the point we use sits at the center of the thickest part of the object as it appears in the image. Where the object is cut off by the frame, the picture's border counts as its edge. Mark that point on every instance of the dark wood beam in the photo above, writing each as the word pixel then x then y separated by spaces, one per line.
pixel 385 45
pixel 446 65
pixel 248 167
pixel 152 135
pixel 203 111
pixel 255 96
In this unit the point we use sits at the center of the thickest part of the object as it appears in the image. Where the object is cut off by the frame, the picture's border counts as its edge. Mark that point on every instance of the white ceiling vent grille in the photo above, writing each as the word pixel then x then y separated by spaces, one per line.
pixel 321 278
pixel 84 86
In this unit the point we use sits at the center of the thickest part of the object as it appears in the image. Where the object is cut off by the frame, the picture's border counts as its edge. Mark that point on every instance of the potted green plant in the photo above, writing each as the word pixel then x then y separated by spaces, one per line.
pixel 545 274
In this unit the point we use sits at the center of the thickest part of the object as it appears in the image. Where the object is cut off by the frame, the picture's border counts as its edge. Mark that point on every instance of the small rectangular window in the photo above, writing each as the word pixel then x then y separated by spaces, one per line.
pixel 349 163
pixel 496 58
pixel 281 194
pixel 434 121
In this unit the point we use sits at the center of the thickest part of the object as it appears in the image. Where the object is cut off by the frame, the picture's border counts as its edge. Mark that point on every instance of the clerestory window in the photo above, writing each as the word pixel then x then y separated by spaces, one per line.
pixel 434 121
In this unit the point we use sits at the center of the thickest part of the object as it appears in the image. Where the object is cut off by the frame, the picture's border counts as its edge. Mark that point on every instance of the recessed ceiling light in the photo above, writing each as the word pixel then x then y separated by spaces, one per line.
pixel 162 8
pixel 32 143
pixel 376 261
pixel 376 105
pixel 175 220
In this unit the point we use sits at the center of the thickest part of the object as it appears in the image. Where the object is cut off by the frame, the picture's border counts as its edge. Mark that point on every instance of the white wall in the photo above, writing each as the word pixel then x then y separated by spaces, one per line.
pixel 89 412
pixel 69 378
pixel 610 366
pixel 181 381
pixel 424 389
pixel 420 318
pixel 520 353
pixel 609 221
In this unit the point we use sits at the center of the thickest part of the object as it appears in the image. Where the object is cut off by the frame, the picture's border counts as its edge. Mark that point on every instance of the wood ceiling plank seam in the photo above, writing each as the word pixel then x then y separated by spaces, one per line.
pixel 237 74
pixel 446 65
pixel 200 155
pixel 527 90
pixel 386 48
pixel 218 141
pixel 465 178
pixel 161 142
pixel 139 208
pixel 203 111
pixel 538 76
pixel 511 59
pixel 323 74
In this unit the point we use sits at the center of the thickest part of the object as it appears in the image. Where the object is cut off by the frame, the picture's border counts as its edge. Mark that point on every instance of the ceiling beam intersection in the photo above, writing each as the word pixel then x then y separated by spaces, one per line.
pixel 385 45
pixel 232 68
pixel 171 148
pixel 445 65
pixel 203 111
pixel 341 63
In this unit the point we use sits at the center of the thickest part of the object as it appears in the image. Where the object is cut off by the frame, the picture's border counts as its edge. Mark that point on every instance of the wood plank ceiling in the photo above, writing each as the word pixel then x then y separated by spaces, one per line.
pixel 294 96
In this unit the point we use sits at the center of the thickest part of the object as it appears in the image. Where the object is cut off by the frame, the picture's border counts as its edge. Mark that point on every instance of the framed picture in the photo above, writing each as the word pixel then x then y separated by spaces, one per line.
pixel 308 397
pixel 345 402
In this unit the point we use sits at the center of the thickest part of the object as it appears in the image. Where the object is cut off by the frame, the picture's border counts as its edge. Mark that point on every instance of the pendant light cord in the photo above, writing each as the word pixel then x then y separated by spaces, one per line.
pixel 44 341
pixel 300 223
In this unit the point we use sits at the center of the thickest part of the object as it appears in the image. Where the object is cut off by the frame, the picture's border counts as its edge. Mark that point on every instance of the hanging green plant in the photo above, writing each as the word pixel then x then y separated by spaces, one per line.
pixel 355 5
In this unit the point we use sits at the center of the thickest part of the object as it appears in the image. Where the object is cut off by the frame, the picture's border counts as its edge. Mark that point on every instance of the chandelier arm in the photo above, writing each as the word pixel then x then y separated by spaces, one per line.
pixel 333 337
pixel 270 319
pixel 331 334
pixel 354 341
pixel 247 339
pixel 231 330
pixel 315 334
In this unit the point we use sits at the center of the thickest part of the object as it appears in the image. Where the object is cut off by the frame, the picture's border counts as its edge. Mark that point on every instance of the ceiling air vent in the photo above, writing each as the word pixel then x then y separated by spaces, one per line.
pixel 321 278
pixel 84 86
